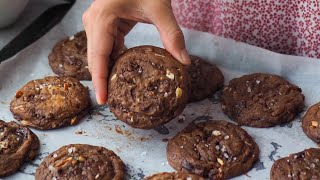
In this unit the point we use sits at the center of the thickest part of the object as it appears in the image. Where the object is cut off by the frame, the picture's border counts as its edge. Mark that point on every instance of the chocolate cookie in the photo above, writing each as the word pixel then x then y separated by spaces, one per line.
pixel 304 165
pixel 51 102
pixel 261 100
pixel 17 145
pixel 147 87
pixel 311 123
pixel 174 176
pixel 81 161
pixel 205 79
pixel 213 149
pixel 69 57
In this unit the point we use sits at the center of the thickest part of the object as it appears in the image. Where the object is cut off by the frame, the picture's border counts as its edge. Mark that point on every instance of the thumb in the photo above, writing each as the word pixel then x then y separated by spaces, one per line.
pixel 162 17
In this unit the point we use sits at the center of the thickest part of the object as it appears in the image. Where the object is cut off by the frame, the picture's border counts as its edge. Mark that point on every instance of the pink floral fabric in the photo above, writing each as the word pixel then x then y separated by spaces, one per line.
pixel 284 26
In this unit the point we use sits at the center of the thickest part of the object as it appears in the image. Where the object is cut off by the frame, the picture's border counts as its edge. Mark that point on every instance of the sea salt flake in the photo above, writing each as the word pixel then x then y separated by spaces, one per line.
pixel 216 133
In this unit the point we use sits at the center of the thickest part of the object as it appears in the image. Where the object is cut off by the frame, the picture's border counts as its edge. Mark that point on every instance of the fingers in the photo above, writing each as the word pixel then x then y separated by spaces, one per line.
pixel 171 35
pixel 101 33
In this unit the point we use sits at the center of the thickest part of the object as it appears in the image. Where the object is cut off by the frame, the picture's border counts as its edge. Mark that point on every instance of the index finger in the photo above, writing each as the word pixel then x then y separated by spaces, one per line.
pixel 100 43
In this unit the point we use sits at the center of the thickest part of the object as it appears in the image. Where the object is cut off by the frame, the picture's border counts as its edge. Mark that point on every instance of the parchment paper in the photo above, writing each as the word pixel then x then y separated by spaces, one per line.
pixel 143 151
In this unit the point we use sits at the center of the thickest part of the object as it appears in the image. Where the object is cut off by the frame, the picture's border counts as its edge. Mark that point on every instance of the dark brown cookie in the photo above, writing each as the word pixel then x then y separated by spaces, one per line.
pixel 51 102
pixel 261 100
pixel 213 149
pixel 81 161
pixel 304 165
pixel 147 87
pixel 205 79
pixel 311 123
pixel 174 176
pixel 69 57
pixel 17 145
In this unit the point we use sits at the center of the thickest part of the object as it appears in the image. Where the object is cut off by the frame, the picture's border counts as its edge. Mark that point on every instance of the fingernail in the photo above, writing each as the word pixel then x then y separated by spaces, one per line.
pixel 185 58
pixel 100 100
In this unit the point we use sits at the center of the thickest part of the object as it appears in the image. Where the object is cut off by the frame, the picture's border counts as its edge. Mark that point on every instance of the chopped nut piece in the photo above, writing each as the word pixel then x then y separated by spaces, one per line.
pixel 24 122
pixel 97 176
pixel 81 159
pixel 113 77
pixel 220 161
pixel 71 38
pixel 63 162
pixel 216 133
pixel 314 123
pixel 169 74
pixel 19 94
pixel 159 55
pixel 178 92
pixel 74 162
pixel 4 144
pixel 73 121
pixel 66 86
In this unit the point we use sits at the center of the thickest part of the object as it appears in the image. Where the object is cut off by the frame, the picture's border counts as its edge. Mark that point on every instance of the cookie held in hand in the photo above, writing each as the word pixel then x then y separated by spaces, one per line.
pixel 147 87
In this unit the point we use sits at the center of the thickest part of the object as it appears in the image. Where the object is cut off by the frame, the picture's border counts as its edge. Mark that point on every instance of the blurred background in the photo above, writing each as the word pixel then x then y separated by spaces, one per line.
pixel 17 15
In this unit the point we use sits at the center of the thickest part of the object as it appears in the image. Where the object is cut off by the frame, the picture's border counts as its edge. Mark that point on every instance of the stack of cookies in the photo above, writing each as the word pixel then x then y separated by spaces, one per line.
pixel 148 87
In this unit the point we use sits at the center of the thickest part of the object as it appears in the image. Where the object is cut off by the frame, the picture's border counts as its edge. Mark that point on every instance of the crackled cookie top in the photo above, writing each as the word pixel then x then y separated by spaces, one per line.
pixel 69 57
pixel 81 161
pixel 261 100
pixel 304 165
pixel 174 176
pixel 205 79
pixel 147 87
pixel 17 145
pixel 311 123
pixel 213 149
pixel 51 102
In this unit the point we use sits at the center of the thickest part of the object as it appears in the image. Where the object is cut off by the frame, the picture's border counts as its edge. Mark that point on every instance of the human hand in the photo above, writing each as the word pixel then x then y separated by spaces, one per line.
pixel 107 22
